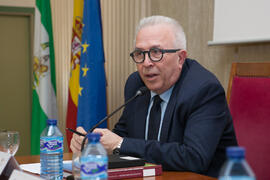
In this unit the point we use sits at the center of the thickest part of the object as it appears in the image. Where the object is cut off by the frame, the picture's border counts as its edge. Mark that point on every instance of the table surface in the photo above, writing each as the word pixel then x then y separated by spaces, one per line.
pixel 165 174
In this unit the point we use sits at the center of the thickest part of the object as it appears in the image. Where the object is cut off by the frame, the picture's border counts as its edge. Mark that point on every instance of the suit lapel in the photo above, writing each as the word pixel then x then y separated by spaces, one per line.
pixel 141 109
pixel 168 117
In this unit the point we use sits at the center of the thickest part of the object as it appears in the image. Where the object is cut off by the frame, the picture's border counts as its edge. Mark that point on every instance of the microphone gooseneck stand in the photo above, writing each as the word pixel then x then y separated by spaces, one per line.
pixel 141 91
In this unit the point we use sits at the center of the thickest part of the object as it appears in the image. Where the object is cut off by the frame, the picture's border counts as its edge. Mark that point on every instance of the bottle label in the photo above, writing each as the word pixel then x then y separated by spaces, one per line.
pixel 51 145
pixel 94 167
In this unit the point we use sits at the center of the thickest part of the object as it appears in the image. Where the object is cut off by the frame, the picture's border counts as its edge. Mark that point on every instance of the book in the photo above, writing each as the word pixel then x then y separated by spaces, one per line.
pixel 130 172
pixel 114 161
pixel 131 167
pixel 135 172
pixel 121 161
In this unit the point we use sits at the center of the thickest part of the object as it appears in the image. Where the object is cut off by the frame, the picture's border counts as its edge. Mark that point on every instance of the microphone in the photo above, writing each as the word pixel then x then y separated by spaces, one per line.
pixel 141 91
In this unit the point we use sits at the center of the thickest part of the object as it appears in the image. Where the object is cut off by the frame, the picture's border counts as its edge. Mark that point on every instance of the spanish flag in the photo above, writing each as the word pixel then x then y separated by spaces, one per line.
pixel 87 86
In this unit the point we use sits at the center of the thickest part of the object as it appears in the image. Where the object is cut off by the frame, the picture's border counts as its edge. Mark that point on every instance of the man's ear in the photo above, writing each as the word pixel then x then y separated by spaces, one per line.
pixel 182 56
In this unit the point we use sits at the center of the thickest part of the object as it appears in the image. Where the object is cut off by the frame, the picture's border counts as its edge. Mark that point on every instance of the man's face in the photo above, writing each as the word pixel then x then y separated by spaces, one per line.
pixel 159 76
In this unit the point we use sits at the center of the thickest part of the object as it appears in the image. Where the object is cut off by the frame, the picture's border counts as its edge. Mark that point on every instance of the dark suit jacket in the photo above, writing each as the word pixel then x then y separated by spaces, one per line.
pixel 197 125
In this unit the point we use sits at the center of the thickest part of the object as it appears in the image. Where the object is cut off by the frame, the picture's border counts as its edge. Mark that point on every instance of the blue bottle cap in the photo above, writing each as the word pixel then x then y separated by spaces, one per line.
pixel 93 137
pixel 235 152
pixel 51 121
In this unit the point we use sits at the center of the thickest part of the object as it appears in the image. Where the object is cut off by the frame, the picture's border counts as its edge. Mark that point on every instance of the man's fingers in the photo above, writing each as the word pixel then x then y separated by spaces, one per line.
pixel 76 141
pixel 81 130
pixel 74 146
pixel 99 131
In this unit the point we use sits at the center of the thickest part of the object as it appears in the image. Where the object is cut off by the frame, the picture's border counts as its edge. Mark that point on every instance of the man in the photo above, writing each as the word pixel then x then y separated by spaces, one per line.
pixel 188 126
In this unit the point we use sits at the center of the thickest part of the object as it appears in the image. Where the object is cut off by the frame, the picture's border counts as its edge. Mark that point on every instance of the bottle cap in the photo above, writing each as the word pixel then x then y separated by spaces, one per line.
pixel 235 152
pixel 51 121
pixel 93 137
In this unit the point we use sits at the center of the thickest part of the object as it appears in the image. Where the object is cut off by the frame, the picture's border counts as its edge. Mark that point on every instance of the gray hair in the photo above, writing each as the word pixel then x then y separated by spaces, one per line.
pixel 180 37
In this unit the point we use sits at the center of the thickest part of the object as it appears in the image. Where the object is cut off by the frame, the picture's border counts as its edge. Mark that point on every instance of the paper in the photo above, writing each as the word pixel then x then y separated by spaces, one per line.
pixel 129 158
pixel 149 172
pixel 19 175
pixel 67 166
pixel 35 167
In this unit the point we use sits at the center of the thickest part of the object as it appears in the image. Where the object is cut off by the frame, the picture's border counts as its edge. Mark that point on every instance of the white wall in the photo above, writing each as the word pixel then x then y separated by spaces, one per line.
pixel 241 21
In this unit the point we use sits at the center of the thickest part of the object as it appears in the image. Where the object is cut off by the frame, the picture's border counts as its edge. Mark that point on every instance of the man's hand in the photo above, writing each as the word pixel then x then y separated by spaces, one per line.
pixel 108 139
pixel 76 141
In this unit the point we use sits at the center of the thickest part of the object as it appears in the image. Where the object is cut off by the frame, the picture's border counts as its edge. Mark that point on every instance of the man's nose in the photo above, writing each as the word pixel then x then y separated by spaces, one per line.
pixel 147 61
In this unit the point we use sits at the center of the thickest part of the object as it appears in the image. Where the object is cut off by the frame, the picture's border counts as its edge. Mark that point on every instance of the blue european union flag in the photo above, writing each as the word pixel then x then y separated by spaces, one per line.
pixel 92 90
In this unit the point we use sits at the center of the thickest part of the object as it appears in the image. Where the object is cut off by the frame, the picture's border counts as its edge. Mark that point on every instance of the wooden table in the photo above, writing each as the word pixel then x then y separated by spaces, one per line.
pixel 165 175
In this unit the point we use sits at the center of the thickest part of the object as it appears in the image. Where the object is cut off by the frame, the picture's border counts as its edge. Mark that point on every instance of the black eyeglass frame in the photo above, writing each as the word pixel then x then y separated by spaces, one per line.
pixel 163 51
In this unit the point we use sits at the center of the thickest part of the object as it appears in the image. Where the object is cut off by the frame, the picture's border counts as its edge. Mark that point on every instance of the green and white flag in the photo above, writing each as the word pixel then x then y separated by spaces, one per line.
pixel 44 87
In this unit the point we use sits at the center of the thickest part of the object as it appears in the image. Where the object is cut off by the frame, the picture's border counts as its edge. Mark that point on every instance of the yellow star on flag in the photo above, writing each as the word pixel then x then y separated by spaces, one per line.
pixel 85 46
pixel 80 91
pixel 85 69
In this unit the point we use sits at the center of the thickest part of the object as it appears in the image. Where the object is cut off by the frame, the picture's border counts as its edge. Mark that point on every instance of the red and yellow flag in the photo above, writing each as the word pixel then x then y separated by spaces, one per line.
pixel 74 67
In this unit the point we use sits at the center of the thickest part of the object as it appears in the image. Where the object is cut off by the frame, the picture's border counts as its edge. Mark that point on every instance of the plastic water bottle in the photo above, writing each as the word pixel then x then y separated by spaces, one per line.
pixel 236 167
pixel 94 159
pixel 51 152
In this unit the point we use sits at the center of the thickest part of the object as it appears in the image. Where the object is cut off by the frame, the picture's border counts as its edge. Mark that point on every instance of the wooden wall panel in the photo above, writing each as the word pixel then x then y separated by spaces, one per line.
pixel 62 14
pixel 119 19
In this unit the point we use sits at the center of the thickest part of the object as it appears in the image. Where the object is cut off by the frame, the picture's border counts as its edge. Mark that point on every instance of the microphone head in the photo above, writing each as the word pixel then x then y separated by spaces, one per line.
pixel 141 91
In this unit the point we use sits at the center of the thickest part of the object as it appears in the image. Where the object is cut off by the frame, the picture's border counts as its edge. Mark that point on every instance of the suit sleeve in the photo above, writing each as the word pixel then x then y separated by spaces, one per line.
pixel 206 116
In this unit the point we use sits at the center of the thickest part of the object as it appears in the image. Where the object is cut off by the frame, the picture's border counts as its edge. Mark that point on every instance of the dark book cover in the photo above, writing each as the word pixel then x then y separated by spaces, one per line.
pixel 120 161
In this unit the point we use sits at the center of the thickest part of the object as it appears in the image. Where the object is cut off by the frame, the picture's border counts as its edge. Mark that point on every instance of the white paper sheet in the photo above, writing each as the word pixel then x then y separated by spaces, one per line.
pixel 35 167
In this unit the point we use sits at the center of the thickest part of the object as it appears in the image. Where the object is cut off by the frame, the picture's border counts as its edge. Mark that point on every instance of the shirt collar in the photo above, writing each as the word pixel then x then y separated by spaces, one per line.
pixel 164 96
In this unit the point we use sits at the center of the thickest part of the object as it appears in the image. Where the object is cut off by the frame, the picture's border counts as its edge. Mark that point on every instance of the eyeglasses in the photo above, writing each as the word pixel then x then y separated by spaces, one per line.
pixel 155 54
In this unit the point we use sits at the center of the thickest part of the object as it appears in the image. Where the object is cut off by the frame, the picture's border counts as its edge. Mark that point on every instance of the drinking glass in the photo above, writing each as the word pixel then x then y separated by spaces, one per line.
pixel 9 141
pixel 76 165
